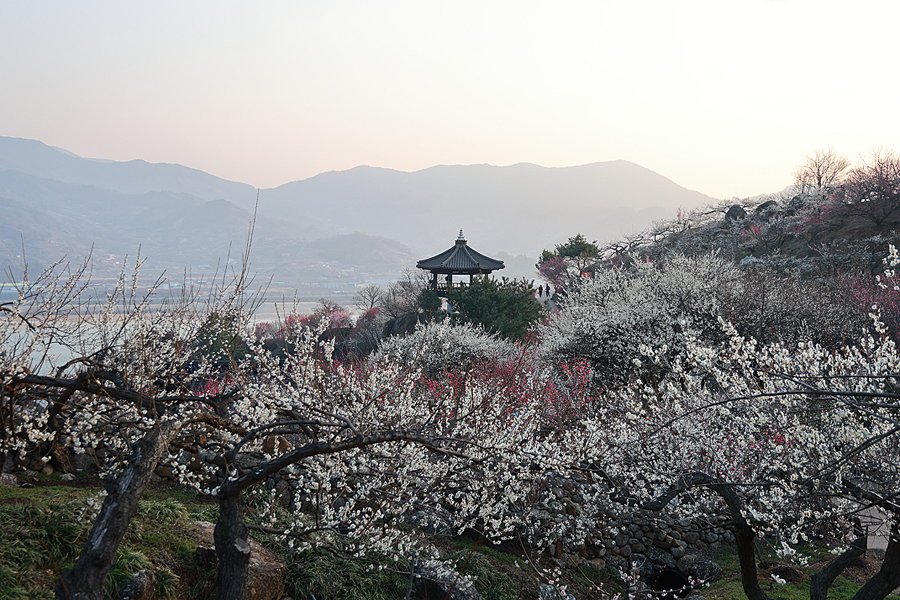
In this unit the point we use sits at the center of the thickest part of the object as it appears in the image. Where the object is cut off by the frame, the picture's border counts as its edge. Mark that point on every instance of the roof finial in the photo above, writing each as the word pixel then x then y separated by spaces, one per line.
pixel 460 238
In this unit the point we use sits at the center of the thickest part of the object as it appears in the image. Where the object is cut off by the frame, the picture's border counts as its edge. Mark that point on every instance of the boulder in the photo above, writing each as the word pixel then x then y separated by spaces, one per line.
pixel 265 575
pixel 735 213
pixel 705 569
pixel 438 582
pixel 140 587
pixel 766 209
pixel 549 592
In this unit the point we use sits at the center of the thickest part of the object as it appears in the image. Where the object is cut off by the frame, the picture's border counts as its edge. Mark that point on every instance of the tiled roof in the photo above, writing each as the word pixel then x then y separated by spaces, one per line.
pixel 460 259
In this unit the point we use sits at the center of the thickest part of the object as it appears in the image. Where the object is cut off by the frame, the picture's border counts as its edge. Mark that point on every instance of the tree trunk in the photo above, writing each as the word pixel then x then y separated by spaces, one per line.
pixel 888 578
pixel 744 536
pixel 743 533
pixel 232 548
pixel 821 581
pixel 86 579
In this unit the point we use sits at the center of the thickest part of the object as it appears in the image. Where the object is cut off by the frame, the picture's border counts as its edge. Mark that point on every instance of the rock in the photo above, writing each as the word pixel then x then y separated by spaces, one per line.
pixel 787 572
pixel 639 557
pixel 68 477
pixel 47 469
pixel 662 558
pixel 678 551
pixel 140 587
pixel 83 462
pixel 265 579
pixel 63 457
pixel 402 325
pixel 9 480
pixel 195 464
pixel 549 592
pixel 686 562
pixel 434 582
pixel 705 569
pixel 430 523
pixel 691 537
pixel 598 563
pixel 735 213
pixel 766 209
pixel 283 493
pixel 165 471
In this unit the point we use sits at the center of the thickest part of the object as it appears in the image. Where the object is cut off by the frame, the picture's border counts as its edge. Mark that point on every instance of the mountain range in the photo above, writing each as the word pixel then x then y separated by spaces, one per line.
pixel 363 223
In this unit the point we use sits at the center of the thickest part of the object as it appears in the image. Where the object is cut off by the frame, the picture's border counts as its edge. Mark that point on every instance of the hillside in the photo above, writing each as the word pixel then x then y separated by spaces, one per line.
pixel 60 204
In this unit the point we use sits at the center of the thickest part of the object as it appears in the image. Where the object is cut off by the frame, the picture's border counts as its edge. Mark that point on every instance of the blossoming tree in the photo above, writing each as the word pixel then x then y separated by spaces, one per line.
pixel 361 451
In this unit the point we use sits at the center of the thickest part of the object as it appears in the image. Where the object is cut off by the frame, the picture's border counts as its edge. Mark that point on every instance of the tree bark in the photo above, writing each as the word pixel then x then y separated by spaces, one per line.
pixel 821 581
pixel 86 579
pixel 232 548
pixel 888 578
pixel 743 532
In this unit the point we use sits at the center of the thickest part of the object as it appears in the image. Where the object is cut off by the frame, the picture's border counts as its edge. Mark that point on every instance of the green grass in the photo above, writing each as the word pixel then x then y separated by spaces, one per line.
pixel 491 582
pixel 324 575
pixel 42 531
pixel 729 586
pixel 495 555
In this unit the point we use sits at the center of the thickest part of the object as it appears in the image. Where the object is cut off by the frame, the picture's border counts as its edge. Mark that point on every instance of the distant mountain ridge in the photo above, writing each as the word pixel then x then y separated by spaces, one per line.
pixel 183 216
pixel 133 177
pixel 521 208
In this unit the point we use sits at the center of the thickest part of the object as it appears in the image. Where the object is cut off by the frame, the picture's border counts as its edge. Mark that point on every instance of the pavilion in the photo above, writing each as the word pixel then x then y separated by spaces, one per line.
pixel 460 259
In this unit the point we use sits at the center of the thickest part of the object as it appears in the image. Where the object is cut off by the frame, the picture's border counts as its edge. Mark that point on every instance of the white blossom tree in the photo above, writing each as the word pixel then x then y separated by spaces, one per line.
pixel 792 442
pixel 609 317
pixel 362 450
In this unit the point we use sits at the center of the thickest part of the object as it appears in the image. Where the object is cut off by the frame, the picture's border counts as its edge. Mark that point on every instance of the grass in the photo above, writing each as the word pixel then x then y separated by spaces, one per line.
pixel 729 586
pixel 42 531
pixel 495 555
pixel 324 575
pixel 492 583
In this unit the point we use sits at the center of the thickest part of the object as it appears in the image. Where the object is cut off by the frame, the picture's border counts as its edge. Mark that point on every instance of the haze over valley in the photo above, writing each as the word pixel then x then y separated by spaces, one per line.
pixel 319 235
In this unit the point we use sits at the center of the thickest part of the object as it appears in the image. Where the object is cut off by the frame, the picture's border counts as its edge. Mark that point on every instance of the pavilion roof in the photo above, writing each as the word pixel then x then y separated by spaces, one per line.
pixel 460 258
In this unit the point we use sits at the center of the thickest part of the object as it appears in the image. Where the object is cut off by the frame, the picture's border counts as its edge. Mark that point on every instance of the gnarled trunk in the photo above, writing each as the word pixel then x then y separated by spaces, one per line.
pixel 232 548
pixel 86 579
pixel 821 581
pixel 888 578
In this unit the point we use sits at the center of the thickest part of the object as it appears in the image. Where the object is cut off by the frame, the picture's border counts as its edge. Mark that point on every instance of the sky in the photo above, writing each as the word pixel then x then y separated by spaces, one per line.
pixel 723 97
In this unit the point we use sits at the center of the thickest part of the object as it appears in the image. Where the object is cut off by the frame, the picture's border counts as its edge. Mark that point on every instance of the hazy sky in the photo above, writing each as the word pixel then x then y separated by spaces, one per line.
pixel 722 96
